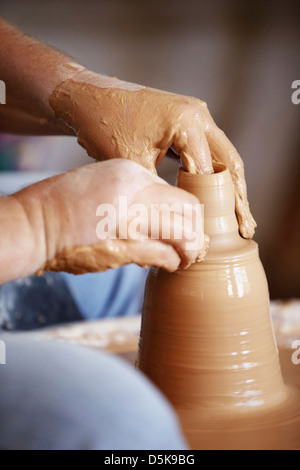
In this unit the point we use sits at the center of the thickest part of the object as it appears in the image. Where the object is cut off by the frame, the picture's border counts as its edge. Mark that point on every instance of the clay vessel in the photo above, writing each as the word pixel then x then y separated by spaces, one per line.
pixel 207 339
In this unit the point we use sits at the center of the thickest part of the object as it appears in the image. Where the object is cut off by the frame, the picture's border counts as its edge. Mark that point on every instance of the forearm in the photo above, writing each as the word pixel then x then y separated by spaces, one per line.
pixel 14 120
pixel 31 71
pixel 22 236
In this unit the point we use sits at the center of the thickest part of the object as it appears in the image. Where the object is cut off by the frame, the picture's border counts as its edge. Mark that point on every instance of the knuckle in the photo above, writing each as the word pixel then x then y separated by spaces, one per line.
pixel 199 103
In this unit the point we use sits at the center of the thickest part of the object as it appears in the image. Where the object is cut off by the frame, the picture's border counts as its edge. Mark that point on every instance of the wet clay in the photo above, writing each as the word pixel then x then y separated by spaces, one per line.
pixel 104 256
pixel 116 119
pixel 113 254
pixel 207 339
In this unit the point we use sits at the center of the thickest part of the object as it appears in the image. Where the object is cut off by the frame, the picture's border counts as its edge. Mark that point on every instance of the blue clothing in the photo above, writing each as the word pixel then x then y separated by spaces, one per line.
pixel 114 293
pixel 35 302
pixel 63 397
pixel 54 298
pixel 59 396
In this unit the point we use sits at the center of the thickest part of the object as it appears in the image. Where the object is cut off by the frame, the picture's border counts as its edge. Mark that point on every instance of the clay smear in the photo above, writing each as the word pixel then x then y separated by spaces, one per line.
pixel 104 256
pixel 116 253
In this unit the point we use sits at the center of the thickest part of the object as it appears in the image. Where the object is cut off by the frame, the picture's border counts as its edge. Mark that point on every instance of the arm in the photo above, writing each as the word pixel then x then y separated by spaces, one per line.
pixel 22 244
pixel 31 71
pixel 53 224
pixel 112 118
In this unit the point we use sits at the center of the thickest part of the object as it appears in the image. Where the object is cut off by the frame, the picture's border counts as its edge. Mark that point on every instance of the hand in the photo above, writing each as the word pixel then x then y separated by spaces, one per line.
pixel 49 94
pixel 70 203
pixel 115 119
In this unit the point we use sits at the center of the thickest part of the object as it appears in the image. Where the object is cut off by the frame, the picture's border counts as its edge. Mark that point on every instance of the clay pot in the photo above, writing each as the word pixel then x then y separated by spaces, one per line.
pixel 207 340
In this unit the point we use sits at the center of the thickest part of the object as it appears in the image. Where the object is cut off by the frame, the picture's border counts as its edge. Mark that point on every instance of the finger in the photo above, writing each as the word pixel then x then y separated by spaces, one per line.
pixel 153 253
pixel 194 151
pixel 190 244
pixel 177 222
pixel 182 233
pixel 176 231
pixel 112 254
pixel 173 216
pixel 223 151
pixel 161 192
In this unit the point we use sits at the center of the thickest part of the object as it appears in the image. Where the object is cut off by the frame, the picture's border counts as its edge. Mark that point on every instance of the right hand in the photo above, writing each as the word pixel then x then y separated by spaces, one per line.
pixel 70 202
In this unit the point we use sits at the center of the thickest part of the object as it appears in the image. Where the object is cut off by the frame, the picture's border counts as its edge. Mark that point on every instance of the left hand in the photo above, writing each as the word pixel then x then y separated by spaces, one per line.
pixel 116 119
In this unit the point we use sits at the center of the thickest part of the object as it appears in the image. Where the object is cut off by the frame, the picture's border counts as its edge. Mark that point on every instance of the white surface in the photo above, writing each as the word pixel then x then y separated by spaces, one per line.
pixel 286 321
pixel 107 334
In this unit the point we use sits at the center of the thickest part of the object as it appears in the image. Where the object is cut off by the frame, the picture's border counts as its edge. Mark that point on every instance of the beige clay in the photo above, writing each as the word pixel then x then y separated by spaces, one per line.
pixel 207 340
pixel 107 255
pixel 114 254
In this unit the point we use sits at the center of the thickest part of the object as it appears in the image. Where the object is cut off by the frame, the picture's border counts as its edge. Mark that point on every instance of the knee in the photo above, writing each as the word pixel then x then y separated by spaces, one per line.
pixel 60 396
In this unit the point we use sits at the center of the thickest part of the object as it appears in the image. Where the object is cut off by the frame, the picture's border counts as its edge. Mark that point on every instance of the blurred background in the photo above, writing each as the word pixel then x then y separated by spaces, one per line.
pixel 241 57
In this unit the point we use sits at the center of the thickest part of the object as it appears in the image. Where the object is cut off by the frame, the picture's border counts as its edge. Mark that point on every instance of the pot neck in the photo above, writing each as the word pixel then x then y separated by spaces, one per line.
pixel 216 192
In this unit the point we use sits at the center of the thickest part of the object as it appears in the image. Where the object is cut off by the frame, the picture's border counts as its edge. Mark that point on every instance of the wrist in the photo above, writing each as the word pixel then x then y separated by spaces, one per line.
pixel 64 71
pixel 99 80
pixel 54 215
pixel 75 96
pixel 22 246
pixel 31 217
pixel 45 216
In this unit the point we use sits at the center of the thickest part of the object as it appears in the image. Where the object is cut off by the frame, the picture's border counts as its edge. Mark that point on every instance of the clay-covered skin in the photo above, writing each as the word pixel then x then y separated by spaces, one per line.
pixel 116 253
pixel 116 119
pixel 76 244
pixel 107 255
pixel 207 340
pixel 47 93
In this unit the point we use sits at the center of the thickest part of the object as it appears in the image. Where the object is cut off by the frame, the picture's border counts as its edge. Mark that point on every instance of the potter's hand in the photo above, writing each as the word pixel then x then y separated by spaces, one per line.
pixel 116 119
pixel 49 94
pixel 76 239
